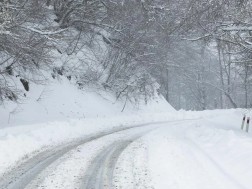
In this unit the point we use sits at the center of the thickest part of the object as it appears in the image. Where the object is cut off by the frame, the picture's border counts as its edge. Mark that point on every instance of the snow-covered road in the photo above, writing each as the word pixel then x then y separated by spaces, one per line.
pixel 99 156
pixel 202 153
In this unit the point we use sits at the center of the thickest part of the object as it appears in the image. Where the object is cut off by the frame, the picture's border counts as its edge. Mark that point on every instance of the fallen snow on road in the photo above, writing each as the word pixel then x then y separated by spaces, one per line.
pixel 132 168
pixel 71 169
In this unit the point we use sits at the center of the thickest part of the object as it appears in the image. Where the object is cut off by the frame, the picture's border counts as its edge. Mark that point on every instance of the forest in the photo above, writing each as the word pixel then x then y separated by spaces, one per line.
pixel 196 53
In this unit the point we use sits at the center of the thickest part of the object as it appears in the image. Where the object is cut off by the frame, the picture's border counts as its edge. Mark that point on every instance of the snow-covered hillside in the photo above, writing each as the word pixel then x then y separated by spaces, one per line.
pixel 62 100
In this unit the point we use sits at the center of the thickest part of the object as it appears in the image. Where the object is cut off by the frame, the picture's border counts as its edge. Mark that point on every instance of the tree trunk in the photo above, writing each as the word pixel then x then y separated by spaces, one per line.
pixel 246 86
pixel 221 73
pixel 167 85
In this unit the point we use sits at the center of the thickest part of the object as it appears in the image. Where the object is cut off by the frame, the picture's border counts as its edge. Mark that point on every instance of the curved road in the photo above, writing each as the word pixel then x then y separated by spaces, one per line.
pixel 101 167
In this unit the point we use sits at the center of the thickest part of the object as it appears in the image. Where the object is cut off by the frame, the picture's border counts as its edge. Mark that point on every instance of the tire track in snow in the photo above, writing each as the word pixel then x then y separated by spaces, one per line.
pixel 100 172
pixel 21 176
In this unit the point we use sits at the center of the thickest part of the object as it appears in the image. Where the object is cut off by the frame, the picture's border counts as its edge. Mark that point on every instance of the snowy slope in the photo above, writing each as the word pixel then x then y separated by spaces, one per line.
pixel 62 100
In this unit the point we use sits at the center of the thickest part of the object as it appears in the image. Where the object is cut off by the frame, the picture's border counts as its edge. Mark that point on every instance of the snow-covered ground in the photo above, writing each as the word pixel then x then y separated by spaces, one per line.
pixel 211 152
pixel 174 149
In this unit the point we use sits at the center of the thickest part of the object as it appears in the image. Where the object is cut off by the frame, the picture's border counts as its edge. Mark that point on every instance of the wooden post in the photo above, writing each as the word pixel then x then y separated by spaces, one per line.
pixel 247 126
pixel 243 122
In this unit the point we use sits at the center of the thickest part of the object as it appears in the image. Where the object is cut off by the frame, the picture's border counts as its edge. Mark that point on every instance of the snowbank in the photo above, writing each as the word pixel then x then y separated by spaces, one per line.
pixel 211 152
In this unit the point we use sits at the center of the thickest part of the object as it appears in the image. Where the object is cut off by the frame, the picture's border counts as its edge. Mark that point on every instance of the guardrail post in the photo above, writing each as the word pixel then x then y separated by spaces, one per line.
pixel 243 122
pixel 247 126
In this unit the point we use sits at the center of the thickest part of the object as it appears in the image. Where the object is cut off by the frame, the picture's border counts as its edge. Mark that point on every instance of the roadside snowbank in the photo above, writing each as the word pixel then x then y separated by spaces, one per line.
pixel 211 152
